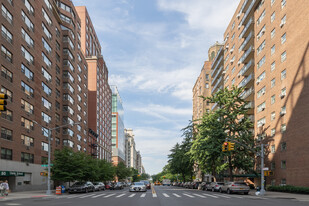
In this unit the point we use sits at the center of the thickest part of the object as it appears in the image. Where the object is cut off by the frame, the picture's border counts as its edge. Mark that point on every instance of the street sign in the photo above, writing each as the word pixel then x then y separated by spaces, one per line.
pixel 47 165
pixel 11 173
pixel 265 168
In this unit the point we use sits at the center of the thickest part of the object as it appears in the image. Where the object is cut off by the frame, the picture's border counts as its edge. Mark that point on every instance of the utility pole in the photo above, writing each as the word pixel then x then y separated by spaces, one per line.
pixel 262 191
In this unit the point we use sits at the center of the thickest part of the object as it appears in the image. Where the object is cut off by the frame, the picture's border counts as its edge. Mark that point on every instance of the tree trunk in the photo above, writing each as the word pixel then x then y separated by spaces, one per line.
pixel 230 168
pixel 183 177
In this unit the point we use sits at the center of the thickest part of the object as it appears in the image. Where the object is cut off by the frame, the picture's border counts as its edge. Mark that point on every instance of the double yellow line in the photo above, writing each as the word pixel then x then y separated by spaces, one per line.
pixel 152 189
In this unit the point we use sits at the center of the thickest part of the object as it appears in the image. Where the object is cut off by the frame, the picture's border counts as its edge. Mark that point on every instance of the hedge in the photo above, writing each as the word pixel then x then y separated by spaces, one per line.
pixel 289 188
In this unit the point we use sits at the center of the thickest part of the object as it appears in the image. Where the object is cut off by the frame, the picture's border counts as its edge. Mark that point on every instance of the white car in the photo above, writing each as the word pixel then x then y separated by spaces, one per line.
pixel 138 187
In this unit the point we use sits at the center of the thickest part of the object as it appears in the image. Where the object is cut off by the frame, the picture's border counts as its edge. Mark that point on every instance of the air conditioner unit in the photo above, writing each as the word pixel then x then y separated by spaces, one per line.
pixel 257 82
pixel 224 72
pixel 282 113
pixel 238 75
pixel 227 46
pixel 282 96
pixel 231 51
pixel 238 15
pixel 263 92
pixel 238 62
pixel 263 108
pixel 282 24
pixel 232 60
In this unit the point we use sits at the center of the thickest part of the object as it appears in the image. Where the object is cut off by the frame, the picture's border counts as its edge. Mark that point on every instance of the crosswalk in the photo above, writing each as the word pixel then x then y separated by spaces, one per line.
pixel 155 195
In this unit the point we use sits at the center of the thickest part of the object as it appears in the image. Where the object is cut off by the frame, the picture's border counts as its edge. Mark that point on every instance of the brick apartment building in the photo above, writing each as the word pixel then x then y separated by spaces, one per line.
pixel 45 74
pixel 266 52
pixel 99 91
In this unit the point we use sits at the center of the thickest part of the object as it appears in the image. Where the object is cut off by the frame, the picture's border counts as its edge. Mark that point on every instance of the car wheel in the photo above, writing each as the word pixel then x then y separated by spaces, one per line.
pixel 86 190
pixel 220 190
pixel 246 193
pixel 212 189
pixel 228 191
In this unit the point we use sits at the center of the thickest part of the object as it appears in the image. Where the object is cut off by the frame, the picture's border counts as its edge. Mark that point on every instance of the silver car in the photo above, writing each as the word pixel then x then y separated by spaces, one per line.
pixel 138 187
pixel 235 187
pixel 214 186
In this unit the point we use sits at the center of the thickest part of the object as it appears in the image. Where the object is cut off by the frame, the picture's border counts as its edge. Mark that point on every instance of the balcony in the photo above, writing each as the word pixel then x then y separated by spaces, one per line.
pixel 246 28
pixel 248 10
pixel 245 94
pixel 243 45
pixel 245 55
pixel 243 6
pixel 250 105
pixel 245 68
pixel 218 82
pixel 215 77
pixel 217 65
pixel 245 81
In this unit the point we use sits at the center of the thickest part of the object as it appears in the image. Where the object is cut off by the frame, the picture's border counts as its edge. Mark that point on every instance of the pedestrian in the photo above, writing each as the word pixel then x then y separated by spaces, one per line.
pixel 1 188
pixel 6 188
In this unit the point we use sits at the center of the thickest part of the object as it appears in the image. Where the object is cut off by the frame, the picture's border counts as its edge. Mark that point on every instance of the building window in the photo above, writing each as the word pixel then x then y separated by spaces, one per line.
pixel 272 132
pixel 283 182
pixel 27 89
pixel 28 124
pixel 28 141
pixel 46 17
pixel 29 7
pixel 273 33
pixel 273 82
pixel 6 154
pixel 46 32
pixel 261 33
pixel 261 62
pixel 206 85
pixel 283 164
pixel 6 74
pixel 261 92
pixel 261 107
pixel 283 146
pixel 6 54
pixel 272 17
pixel 283 38
pixel 207 77
pixel 46 118
pixel 272 2
pixel 27 21
pixel 8 115
pixel 6 134
pixel 26 157
pixel 283 128
pixel 261 17
pixel 273 66
pixel 283 92
pixel 261 47
pixel 261 77
pixel 272 149
pixel 273 49
pixel 283 3
pixel 46 45
pixel 46 75
pixel 283 110
pixel 27 106
pixel 46 103
pixel 283 56
pixel 44 146
pixel 273 116
pixel 27 72
pixel 8 93
pixel 261 122
pixel 272 165
pixel 283 21
pixel 283 74
pixel 273 99
pixel 46 89
pixel 6 34
pixel 27 55
pixel 6 14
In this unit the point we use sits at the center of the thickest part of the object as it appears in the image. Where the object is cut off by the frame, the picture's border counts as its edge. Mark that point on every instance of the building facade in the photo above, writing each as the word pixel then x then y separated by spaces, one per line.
pixel 99 91
pixel 265 51
pixel 131 154
pixel 118 136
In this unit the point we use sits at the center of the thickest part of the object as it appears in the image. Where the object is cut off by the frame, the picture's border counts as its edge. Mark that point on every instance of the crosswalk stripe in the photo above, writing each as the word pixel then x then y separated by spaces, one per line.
pixel 87 196
pixel 98 195
pixel 223 196
pixel 71 196
pixel 165 195
pixel 176 195
pixel 132 195
pixel 143 195
pixel 200 195
pixel 154 195
pixel 237 197
pixel 211 195
pixel 188 195
pixel 120 195
pixel 108 195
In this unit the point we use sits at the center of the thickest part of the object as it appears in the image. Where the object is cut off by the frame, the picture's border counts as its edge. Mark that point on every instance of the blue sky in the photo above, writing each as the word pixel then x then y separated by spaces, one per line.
pixel 154 50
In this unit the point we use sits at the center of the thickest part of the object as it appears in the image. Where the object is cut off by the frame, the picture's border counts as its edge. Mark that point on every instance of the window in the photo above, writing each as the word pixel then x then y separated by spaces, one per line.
pixel 8 93
pixel 272 166
pixel 283 74
pixel 283 128
pixel 261 47
pixel 44 160
pixel 283 146
pixel 46 17
pixel 272 149
pixel 6 14
pixel 283 38
pixel 44 146
pixel 6 54
pixel 27 55
pixel 273 99
pixel 27 89
pixel 6 134
pixel 261 107
pixel 272 33
pixel 46 74
pixel 28 141
pixel 46 118
pixel 261 92
pixel 207 77
pixel 6 154
pixel 283 56
pixel 57 141
pixel 206 85
pixel 283 92
pixel 272 17
pixel 6 74
pixel 272 2
pixel 261 62
pixel 68 143
pixel 233 36
pixel 261 33
pixel 49 6
pixel 273 49
pixel 46 103
pixel 273 66
pixel 283 182
pixel 27 72
pixel 29 7
pixel 27 21
pixel 8 115
pixel 273 116
pixel 283 110
pixel 233 81
pixel 26 157
pixel 283 21
pixel 46 45
pixel 273 82
pixel 283 3
pixel 6 34
pixel 46 60
pixel 283 164
pixel 28 124
pixel 44 132
pixel 26 106
pixel 46 32
pixel 27 38
pixel 261 17
pixel 272 132
pixel 261 77
pixel 261 122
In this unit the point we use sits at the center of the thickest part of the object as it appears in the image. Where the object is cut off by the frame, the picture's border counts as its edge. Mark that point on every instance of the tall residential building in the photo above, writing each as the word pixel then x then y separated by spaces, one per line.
pixel 99 92
pixel 202 85
pixel 131 154
pixel 45 75
pixel 266 51
pixel 139 162
pixel 118 136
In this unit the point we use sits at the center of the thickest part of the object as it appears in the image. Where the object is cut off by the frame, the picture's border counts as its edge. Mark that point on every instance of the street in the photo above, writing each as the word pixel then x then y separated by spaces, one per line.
pixel 159 196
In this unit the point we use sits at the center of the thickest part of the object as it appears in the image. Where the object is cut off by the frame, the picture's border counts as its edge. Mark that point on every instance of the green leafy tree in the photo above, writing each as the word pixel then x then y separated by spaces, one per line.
pixel 122 172
pixel 106 171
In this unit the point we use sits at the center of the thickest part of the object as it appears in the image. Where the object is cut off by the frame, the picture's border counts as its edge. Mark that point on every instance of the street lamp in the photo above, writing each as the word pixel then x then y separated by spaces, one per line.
pixel 48 192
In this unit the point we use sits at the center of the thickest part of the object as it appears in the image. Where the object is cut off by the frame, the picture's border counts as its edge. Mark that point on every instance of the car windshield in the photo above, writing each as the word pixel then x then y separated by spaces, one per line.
pixel 138 183
pixel 78 184
pixel 96 183
pixel 220 183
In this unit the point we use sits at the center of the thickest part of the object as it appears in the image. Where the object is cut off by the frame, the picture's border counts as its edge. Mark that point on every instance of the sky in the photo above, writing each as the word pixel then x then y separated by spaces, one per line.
pixel 154 51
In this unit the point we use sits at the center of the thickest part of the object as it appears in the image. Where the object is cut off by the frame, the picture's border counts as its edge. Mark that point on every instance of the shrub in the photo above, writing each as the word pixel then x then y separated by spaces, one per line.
pixel 289 188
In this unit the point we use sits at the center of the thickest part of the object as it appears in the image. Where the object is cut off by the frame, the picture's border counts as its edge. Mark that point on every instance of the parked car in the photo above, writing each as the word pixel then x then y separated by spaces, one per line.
pixel 215 186
pixel 196 185
pixel 138 187
pixel 108 185
pixel 235 187
pixel 204 185
pixel 147 183
pixel 99 186
pixel 81 187
pixel 116 186
pixel 191 185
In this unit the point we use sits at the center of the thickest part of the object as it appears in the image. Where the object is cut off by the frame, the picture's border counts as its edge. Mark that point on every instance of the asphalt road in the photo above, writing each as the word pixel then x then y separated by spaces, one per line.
pixel 159 196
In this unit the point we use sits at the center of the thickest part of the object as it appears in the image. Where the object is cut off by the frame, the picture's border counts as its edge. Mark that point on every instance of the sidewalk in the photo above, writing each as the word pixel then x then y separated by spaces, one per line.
pixel 283 195
pixel 25 195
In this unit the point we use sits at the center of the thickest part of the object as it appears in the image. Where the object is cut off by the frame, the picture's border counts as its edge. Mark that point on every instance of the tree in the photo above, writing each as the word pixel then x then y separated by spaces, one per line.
pixel 121 171
pixel 106 170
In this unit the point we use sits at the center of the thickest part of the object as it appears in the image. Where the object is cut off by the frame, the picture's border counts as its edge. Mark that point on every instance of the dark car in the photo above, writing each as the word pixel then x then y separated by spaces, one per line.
pixel 81 187
pixel 99 186
pixel 196 185
pixel 147 183
pixel 116 186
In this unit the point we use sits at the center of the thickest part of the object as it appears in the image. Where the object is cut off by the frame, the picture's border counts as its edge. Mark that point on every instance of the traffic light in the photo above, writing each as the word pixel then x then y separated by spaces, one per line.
pixel 3 98
pixel 224 146
pixel 231 146
pixel 44 173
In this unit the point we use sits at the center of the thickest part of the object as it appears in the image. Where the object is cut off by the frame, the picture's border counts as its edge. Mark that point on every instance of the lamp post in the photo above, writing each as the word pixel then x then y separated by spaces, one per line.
pixel 48 192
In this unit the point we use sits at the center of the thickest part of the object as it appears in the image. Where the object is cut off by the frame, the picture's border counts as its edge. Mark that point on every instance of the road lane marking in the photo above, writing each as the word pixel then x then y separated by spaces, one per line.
pixel 223 196
pixel 120 195
pixel 188 195
pixel 108 195
pixel 98 195
pixel 143 195
pixel 132 195
pixel 165 195
pixel 176 195
pixel 200 195
pixel 71 196
pixel 211 196
pixel 87 196
pixel 154 195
